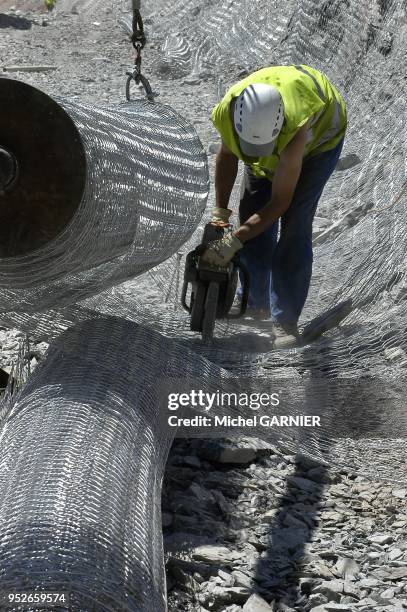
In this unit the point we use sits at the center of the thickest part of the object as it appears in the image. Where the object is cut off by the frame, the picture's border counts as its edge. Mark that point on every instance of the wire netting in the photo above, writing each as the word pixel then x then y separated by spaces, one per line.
pixel 81 466
pixel 100 372
pixel 361 255
pixel 146 189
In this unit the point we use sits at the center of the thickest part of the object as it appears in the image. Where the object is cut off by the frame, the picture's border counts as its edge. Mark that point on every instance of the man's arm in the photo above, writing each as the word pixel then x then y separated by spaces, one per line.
pixel 225 175
pixel 284 183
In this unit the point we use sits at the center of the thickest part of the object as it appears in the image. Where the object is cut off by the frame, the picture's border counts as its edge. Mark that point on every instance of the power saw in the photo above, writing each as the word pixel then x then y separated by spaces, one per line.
pixel 213 288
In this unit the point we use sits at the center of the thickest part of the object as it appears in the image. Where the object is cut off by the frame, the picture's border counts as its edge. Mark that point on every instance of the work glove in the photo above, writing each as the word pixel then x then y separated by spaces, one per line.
pixel 220 252
pixel 220 216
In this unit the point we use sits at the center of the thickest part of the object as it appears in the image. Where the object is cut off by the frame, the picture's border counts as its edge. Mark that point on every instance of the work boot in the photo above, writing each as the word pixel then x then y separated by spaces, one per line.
pixel 251 314
pixel 258 314
pixel 285 335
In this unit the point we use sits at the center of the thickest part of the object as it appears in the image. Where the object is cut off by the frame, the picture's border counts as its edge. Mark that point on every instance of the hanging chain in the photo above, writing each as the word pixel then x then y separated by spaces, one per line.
pixel 138 37
pixel 138 40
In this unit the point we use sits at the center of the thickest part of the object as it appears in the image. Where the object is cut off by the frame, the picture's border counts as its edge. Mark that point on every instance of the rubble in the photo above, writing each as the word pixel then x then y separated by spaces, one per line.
pixel 281 549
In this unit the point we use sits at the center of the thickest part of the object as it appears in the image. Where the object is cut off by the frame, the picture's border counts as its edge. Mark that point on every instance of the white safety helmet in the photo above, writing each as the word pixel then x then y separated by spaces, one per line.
pixel 258 118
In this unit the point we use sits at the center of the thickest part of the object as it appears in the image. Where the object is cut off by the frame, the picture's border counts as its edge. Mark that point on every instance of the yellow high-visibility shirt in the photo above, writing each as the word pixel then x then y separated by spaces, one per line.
pixel 306 94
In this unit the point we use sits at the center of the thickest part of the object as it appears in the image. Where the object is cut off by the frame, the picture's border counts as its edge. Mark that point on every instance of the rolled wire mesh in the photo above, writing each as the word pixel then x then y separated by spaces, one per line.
pixel 146 188
pixel 81 469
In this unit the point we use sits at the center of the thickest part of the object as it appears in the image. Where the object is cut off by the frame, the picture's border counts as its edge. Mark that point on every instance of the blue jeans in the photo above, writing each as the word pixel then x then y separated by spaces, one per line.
pixel 281 267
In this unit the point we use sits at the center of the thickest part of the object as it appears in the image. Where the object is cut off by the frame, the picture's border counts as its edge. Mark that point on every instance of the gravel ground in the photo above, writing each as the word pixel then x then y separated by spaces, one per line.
pixel 246 528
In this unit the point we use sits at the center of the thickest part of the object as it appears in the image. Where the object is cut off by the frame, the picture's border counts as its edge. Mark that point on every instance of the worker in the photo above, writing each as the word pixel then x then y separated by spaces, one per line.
pixel 287 124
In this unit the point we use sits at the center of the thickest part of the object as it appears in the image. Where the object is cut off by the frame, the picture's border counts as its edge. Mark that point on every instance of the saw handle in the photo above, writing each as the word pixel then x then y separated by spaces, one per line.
pixel 190 276
pixel 245 282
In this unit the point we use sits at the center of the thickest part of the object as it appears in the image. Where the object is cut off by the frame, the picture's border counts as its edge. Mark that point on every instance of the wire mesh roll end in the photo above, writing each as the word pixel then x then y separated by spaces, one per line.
pixel 40 140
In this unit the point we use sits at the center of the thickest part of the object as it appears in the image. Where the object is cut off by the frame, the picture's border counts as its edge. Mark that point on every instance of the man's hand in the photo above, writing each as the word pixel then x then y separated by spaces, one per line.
pixel 220 216
pixel 220 252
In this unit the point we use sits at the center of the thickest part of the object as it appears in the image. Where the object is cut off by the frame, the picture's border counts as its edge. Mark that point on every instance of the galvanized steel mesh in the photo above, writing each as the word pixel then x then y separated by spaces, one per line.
pixel 146 189
pixel 360 46
pixel 361 255
pixel 82 459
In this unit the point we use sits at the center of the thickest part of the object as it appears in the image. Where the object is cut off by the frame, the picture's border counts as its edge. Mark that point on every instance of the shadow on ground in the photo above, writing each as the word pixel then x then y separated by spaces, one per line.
pixel 14 21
